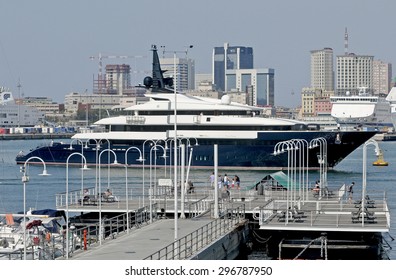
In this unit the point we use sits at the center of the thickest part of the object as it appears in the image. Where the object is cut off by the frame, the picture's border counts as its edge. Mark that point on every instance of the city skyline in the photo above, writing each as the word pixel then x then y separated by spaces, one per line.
pixel 47 45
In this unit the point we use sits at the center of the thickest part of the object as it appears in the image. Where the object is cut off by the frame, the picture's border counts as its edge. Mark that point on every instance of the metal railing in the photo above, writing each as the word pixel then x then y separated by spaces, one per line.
pixel 325 214
pixel 185 247
pixel 84 235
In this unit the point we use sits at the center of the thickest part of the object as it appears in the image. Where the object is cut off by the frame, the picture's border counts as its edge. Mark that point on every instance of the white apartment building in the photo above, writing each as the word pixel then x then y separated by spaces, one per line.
pixel 353 72
pixel 43 104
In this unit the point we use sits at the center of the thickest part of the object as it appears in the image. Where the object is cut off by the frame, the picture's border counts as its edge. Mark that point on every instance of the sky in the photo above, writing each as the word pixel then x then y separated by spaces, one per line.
pixel 47 45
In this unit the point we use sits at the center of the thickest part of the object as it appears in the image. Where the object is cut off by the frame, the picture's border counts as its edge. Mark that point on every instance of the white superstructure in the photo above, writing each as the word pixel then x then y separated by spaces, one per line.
pixel 362 110
pixel 13 115
pixel 391 98
pixel 215 117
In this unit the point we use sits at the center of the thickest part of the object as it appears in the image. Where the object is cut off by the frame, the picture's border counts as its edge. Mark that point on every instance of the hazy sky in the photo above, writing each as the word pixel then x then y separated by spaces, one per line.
pixel 47 44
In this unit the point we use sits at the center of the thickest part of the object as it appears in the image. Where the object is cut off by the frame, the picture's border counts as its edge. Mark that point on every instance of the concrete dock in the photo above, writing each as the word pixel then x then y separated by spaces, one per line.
pixel 142 242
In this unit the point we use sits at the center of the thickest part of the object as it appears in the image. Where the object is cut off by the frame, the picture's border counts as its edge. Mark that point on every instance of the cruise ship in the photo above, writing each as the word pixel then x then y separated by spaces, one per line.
pixel 362 111
pixel 391 98
pixel 245 138
pixel 14 115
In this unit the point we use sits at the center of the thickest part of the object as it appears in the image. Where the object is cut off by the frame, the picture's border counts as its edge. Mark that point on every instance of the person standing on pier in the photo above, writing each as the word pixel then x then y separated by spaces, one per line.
pixel 237 182
pixel 226 181
pixel 350 192
pixel 220 182
pixel 212 180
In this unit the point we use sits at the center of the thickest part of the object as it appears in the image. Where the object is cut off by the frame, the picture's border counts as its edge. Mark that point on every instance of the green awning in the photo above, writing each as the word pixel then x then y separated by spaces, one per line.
pixel 279 177
pixel 277 180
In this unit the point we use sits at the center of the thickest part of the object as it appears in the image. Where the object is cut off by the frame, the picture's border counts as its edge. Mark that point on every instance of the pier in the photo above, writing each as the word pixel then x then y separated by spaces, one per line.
pixel 314 227
pixel 28 136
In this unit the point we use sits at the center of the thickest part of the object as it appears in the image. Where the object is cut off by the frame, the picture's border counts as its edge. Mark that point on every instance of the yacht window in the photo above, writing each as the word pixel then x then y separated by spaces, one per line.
pixel 208 119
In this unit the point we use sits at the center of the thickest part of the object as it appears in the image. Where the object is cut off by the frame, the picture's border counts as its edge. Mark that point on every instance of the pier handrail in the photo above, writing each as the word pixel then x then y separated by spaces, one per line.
pixel 186 246
pixel 112 227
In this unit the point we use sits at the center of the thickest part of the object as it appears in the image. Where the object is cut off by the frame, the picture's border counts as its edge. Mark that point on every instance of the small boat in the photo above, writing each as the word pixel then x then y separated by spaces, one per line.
pixel 43 238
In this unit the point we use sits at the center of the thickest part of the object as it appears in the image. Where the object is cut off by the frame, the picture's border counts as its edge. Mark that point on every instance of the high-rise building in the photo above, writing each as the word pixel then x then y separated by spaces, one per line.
pixel 258 84
pixel 229 58
pixel 117 80
pixel 382 77
pixel 354 72
pixel 118 77
pixel 322 72
pixel 185 72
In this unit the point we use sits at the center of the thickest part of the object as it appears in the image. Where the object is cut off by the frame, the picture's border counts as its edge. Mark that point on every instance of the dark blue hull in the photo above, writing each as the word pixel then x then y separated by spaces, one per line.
pixel 232 153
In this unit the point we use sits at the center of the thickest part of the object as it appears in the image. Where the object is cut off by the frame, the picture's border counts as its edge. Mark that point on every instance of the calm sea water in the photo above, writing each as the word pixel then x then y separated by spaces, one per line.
pixel 40 191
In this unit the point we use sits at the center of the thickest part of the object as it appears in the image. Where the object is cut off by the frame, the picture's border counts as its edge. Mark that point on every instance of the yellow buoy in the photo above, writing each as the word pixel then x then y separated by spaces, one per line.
pixel 380 160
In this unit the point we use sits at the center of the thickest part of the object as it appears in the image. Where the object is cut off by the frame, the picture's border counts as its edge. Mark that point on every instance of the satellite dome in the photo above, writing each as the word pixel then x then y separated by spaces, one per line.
pixel 148 82
pixel 225 99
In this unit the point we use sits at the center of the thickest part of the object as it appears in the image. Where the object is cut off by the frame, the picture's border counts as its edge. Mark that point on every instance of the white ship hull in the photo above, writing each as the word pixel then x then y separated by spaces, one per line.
pixel 15 115
pixel 391 98
pixel 362 111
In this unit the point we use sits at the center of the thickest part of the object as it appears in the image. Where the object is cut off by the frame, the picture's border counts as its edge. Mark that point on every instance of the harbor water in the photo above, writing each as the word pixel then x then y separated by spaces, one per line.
pixel 41 190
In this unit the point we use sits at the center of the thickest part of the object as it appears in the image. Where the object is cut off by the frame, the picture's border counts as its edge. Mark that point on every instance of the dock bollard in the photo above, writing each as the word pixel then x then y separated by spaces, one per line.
pixel 85 239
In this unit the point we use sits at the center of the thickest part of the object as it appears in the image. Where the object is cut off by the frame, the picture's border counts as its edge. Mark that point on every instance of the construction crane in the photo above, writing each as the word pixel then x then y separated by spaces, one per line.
pixel 100 58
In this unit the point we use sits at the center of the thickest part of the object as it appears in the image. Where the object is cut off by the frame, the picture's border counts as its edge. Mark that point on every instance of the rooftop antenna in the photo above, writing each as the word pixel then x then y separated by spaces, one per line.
pixel 346 41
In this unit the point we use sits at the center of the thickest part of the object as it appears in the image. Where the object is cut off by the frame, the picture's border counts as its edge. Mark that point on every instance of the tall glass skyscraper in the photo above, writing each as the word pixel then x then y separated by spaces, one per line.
pixel 229 58
pixel 258 84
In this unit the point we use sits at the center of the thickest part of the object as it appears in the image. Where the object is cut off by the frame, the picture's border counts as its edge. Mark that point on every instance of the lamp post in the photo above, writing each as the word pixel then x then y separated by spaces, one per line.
pixel 322 160
pixel 97 148
pixel 300 144
pixel 175 133
pixel 67 195
pixel 153 148
pixel 278 149
pixel 108 159
pixel 100 191
pixel 25 179
pixel 126 180
pixel 144 143
pixel 170 151
pixel 175 146
pixel 364 183
pixel 75 140
pixel 164 156
pixel 82 171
